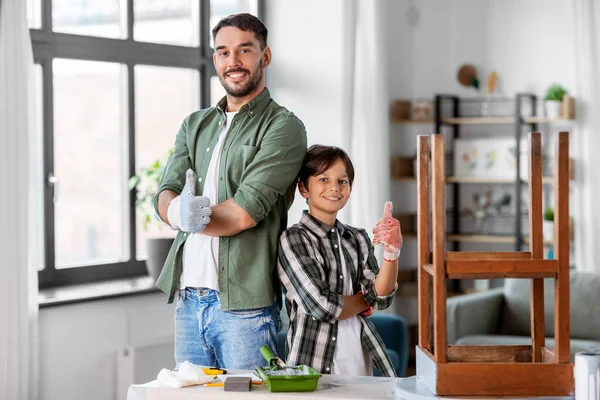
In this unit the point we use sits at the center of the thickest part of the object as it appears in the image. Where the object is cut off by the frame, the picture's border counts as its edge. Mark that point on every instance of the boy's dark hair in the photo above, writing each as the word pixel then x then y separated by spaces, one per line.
pixel 320 158
pixel 245 22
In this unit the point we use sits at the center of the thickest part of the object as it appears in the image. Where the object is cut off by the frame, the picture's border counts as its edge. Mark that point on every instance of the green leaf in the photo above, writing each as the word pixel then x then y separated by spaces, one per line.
pixel 146 182
pixel 555 93
pixel 147 220
pixel 133 181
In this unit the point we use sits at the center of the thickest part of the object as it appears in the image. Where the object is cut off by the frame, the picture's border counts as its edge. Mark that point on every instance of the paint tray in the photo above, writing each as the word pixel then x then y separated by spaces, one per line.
pixel 281 378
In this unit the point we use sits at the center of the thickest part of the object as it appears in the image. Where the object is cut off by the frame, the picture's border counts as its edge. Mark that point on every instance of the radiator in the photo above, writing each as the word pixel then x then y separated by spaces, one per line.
pixel 141 364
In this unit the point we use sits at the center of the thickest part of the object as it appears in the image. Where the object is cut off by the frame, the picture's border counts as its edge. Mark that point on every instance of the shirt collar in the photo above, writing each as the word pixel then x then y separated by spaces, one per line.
pixel 319 228
pixel 253 106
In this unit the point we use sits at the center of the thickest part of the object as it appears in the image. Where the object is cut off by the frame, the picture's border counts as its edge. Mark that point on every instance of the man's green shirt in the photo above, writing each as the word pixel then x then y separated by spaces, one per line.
pixel 261 157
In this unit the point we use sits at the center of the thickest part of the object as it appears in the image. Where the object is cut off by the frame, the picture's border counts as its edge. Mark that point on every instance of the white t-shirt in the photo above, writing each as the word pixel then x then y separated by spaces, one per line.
pixel 350 358
pixel 201 252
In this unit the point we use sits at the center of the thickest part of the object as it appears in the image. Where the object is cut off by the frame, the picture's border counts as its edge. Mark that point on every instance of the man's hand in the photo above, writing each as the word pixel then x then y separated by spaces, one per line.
pixel 388 233
pixel 194 210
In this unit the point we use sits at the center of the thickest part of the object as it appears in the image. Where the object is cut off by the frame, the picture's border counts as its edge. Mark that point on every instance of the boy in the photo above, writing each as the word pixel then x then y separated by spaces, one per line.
pixel 330 274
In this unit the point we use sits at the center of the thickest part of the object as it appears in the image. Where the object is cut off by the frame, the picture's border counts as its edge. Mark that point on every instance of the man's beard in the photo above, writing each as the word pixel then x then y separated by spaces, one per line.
pixel 246 89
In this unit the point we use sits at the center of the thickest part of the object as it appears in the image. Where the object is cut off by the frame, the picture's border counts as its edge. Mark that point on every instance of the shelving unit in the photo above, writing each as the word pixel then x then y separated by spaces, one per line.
pixel 518 121
pixel 473 180
pixel 477 120
pixel 413 121
pixel 403 167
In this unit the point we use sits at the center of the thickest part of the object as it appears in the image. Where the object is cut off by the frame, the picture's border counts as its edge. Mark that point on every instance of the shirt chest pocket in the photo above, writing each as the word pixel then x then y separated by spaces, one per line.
pixel 238 160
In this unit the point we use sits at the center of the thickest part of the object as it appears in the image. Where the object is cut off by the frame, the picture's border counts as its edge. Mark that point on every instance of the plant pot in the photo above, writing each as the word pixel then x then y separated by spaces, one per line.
pixel 548 231
pixel 158 249
pixel 553 108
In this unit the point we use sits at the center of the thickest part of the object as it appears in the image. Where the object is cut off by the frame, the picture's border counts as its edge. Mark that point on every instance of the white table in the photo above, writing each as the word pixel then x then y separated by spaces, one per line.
pixel 329 387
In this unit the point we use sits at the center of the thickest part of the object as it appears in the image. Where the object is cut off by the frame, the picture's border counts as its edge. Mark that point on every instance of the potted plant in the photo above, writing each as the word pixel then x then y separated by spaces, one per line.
pixel 548 225
pixel 554 96
pixel 159 238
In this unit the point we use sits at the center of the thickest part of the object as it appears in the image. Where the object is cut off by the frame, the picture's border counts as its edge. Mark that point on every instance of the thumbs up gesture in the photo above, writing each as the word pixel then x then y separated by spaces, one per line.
pixel 194 210
pixel 388 233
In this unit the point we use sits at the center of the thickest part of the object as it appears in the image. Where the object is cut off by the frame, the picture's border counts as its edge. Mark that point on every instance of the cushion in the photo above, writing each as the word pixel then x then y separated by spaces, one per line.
pixel 585 317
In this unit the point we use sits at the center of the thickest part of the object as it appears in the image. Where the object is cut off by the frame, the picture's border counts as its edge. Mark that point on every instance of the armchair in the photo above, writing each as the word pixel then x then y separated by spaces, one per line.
pixel 502 315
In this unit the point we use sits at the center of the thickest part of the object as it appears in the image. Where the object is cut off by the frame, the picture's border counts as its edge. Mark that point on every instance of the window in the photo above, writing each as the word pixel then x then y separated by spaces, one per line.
pixel 90 163
pixel 114 79
pixel 169 22
pixel 163 96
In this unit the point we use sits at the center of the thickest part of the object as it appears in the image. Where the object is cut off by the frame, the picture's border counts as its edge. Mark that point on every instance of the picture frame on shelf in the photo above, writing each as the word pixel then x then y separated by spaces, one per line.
pixel 485 158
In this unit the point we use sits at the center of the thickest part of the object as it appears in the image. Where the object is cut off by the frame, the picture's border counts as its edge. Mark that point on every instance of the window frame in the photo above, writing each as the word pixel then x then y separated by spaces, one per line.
pixel 48 45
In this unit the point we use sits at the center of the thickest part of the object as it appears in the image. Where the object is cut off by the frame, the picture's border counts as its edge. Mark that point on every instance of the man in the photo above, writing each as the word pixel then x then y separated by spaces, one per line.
pixel 243 157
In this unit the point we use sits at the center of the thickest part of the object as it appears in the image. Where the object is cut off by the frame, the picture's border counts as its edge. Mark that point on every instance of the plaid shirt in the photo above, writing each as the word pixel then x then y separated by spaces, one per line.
pixel 309 267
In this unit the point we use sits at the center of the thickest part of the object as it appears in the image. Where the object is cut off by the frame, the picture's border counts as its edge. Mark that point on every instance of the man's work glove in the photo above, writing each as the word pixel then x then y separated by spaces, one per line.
pixel 194 210
pixel 387 232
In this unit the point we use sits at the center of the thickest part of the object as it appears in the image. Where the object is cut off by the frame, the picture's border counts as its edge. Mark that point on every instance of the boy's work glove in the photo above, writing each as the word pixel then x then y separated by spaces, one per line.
pixel 194 210
pixel 387 232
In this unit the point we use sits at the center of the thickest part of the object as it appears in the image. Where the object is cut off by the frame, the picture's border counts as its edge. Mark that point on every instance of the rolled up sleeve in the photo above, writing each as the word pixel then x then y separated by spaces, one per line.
pixel 370 271
pixel 274 168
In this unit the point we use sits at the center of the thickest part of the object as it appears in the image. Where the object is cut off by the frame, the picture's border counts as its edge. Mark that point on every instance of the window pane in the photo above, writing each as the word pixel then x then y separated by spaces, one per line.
pixel 166 21
pixel 164 97
pixel 103 18
pixel 34 13
pixel 91 197
pixel 36 171
pixel 222 8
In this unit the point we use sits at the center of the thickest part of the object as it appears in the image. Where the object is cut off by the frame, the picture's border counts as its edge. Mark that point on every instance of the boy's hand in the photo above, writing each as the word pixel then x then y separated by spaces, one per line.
pixel 369 310
pixel 388 233
pixel 194 210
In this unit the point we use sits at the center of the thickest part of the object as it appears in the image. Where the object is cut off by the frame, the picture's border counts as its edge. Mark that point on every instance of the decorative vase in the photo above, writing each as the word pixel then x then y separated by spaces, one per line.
pixel 548 231
pixel 553 108
pixel 158 249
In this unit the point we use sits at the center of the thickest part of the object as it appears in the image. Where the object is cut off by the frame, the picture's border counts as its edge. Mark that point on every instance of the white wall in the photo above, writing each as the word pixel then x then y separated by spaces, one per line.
pixel 79 344
pixel 308 75
pixel 529 43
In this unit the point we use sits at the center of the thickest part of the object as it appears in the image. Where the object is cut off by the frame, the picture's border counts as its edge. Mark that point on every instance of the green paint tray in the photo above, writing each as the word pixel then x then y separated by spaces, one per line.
pixel 281 378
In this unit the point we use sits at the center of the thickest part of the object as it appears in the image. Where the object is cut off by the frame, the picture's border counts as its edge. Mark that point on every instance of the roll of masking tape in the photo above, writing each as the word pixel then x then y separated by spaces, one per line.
pixel 587 375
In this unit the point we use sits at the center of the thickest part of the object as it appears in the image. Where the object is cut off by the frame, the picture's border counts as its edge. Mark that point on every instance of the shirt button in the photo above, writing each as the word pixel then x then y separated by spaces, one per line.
pixel 314 319
pixel 327 369
pixel 335 246
pixel 332 230
pixel 341 276
pixel 219 122
pixel 333 338
pixel 200 179
pixel 207 149
pixel 251 112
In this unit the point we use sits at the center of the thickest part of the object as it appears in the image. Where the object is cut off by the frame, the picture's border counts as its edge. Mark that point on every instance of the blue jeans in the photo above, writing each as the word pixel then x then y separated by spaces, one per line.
pixel 206 335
